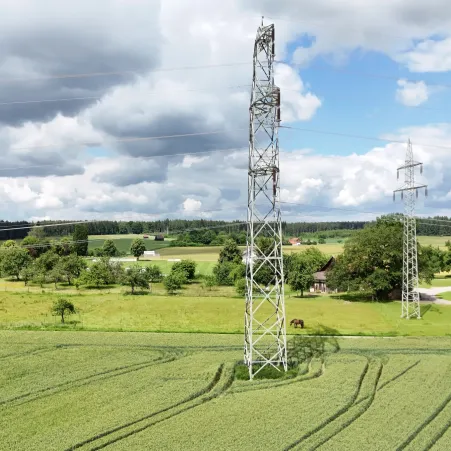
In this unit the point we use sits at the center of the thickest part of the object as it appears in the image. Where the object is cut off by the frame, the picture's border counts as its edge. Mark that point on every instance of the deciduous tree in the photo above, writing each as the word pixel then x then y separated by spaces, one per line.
pixel 136 277
pixel 13 261
pixel 138 247
pixel 63 307
pixel 80 239
pixel 109 248
pixel 173 282
pixel 230 253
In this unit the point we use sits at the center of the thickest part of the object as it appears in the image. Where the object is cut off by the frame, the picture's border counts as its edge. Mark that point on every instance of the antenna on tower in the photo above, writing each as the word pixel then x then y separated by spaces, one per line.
pixel 410 307
pixel 265 326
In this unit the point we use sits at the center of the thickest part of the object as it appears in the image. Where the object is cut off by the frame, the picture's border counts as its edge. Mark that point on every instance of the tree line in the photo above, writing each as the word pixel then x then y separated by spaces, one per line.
pixel 182 227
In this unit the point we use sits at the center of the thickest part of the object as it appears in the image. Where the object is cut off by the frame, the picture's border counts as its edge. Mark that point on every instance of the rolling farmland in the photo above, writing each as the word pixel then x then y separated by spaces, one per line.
pixel 121 391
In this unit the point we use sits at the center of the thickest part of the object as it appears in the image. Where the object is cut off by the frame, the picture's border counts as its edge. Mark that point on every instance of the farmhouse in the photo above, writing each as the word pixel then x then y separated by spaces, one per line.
pixel 295 241
pixel 159 237
pixel 320 277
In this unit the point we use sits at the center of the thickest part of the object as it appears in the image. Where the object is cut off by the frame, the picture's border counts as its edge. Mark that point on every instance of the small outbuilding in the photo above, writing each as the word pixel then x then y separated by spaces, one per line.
pixel 320 277
pixel 159 237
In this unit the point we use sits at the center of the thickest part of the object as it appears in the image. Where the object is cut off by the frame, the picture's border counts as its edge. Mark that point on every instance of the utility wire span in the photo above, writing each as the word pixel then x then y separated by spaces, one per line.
pixel 173 232
pixel 69 99
pixel 201 212
pixel 134 159
pixel 124 72
pixel 55 242
pixel 368 138
pixel 187 135
pixel 125 140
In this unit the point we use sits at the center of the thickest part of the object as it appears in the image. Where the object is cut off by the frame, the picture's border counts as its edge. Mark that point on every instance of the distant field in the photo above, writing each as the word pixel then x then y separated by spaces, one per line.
pixel 128 391
pixel 202 267
pixel 123 242
pixel 131 236
pixel 438 282
pixel 436 241
pixel 212 253
pixel 328 248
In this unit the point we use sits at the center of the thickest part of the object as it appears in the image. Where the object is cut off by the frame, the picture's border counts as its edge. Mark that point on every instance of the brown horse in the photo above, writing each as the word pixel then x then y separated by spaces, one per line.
pixel 297 322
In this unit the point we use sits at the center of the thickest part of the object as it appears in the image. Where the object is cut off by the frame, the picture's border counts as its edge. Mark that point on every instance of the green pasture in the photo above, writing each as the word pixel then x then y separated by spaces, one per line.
pixel 127 391
pixel 435 241
pixel 211 253
pixel 123 242
pixel 202 267
pixel 197 309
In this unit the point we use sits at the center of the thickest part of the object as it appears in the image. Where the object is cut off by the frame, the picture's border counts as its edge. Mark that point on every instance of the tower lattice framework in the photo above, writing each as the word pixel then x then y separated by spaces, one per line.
pixel 265 328
pixel 410 306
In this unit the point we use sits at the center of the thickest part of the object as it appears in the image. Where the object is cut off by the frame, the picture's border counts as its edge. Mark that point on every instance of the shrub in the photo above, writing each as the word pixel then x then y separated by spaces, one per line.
pixel 173 282
pixel 209 282
pixel 240 286
pixel 187 266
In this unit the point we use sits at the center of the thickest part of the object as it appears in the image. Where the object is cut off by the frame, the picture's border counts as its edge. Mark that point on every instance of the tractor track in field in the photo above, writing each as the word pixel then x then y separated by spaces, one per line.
pixel 393 379
pixel 101 376
pixel 369 399
pixel 337 414
pixel 298 379
pixel 425 423
pixel 438 436
pixel 28 353
pixel 228 383
pixel 192 397
pixel 358 415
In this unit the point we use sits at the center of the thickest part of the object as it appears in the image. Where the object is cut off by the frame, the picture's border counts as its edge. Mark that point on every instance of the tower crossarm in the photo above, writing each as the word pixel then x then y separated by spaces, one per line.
pixel 410 188
pixel 410 165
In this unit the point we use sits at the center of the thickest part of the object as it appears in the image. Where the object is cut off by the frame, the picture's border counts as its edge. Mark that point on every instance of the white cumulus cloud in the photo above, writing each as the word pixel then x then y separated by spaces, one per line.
pixel 192 205
pixel 412 93
pixel 428 56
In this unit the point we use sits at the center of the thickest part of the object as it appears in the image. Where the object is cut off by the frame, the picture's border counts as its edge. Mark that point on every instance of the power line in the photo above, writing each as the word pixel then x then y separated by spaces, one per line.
pixel 69 99
pixel 185 135
pixel 369 138
pixel 233 149
pixel 125 72
pixel 374 213
pixel 63 243
pixel 132 139
pixel 371 74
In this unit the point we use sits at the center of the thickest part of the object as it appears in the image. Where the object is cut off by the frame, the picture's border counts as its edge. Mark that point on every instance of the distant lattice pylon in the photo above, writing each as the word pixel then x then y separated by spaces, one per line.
pixel 410 307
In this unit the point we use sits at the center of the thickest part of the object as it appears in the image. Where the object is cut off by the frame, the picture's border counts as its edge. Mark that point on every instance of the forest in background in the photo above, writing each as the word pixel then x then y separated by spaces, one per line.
pixel 179 227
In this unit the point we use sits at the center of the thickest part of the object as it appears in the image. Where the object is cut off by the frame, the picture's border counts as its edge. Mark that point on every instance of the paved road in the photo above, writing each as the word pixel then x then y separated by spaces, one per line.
pixel 433 292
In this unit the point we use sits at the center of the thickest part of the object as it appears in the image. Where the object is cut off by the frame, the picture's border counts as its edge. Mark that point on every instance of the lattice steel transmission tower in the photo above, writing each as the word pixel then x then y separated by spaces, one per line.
pixel 410 307
pixel 265 328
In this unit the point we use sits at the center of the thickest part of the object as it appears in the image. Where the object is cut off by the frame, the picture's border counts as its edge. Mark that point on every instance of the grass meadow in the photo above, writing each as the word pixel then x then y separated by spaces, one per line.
pixel 123 391
pixel 123 242
pixel 196 309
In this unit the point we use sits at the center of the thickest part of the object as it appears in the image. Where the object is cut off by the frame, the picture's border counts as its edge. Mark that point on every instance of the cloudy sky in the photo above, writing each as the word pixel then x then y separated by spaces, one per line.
pixel 83 86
